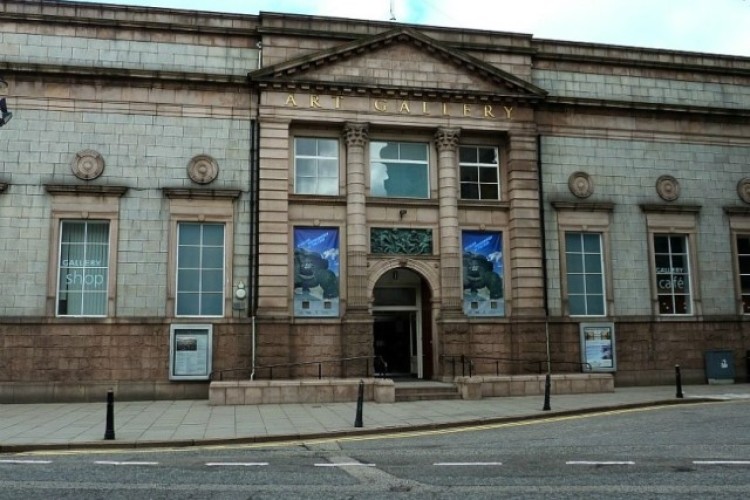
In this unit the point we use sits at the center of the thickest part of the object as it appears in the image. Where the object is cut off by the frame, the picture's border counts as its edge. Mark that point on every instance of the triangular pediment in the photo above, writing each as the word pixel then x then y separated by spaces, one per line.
pixel 403 61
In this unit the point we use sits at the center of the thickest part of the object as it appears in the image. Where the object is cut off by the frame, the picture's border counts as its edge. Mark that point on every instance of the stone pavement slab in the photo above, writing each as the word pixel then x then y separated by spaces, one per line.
pixel 25 427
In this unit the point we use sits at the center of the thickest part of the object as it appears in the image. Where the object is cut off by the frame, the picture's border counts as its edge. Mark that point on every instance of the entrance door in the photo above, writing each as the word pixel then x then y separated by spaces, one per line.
pixel 397 323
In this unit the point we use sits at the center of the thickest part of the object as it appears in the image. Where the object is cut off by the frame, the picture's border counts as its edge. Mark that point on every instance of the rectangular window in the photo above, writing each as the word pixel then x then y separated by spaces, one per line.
pixel 585 274
pixel 743 255
pixel 480 173
pixel 672 272
pixel 316 166
pixel 200 269
pixel 399 170
pixel 83 268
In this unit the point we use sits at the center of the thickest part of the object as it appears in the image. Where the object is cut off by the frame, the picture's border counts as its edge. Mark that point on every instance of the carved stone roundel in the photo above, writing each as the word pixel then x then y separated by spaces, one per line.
pixel 580 184
pixel 668 188
pixel 743 189
pixel 203 169
pixel 87 164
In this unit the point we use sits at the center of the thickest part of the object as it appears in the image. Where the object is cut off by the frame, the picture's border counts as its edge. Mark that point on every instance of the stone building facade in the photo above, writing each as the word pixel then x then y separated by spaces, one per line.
pixel 310 195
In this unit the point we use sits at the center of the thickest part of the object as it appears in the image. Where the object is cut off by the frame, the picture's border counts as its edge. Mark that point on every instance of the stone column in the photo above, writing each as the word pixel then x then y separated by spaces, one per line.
pixel 356 135
pixel 356 335
pixel 446 140
pixel 524 228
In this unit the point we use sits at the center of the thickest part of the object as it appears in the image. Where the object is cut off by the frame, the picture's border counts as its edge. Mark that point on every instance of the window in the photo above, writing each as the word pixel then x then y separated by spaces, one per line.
pixel 83 268
pixel 672 271
pixel 399 170
pixel 585 273
pixel 316 166
pixel 743 256
pixel 200 269
pixel 479 173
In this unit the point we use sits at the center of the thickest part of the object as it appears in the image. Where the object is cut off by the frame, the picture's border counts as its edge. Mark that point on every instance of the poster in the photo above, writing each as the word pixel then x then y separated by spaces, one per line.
pixel 598 347
pixel 483 273
pixel 316 272
pixel 190 352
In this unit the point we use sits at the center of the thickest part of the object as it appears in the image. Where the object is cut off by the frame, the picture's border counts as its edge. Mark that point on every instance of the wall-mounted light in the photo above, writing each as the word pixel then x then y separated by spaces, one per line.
pixel 5 115
pixel 401 213
pixel 240 293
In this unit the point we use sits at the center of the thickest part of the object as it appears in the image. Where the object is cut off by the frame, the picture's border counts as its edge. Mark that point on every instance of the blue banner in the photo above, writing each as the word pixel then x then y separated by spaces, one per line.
pixel 483 273
pixel 316 272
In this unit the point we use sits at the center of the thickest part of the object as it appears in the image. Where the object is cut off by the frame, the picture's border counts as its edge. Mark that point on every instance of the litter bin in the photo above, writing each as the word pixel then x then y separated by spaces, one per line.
pixel 720 366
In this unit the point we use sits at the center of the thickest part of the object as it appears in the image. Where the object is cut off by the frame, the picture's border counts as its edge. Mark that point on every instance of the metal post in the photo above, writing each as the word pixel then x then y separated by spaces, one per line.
pixel 109 432
pixel 678 381
pixel 463 366
pixel 320 371
pixel 360 401
pixel 547 387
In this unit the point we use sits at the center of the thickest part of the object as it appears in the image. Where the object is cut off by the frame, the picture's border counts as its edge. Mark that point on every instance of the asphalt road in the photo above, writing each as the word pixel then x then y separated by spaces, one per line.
pixel 695 451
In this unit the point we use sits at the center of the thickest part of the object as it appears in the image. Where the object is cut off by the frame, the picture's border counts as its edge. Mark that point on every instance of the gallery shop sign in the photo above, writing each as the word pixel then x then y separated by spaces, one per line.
pixel 482 111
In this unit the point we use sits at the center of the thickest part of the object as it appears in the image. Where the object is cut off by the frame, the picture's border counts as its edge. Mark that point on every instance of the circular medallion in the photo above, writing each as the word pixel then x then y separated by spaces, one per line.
pixel 203 169
pixel 667 188
pixel 580 184
pixel 87 164
pixel 743 189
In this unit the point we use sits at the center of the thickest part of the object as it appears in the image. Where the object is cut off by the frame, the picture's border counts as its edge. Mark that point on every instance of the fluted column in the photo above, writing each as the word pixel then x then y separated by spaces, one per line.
pixel 446 140
pixel 356 136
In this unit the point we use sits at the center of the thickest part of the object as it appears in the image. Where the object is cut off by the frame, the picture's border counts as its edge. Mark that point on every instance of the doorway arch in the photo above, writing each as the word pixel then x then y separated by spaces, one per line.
pixel 402 303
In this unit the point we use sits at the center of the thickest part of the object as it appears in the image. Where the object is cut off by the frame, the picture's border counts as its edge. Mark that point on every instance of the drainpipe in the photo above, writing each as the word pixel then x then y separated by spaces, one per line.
pixel 254 214
pixel 543 231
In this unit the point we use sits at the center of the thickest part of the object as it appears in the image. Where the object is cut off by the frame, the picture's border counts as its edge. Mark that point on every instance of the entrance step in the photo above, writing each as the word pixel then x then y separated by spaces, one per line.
pixel 425 391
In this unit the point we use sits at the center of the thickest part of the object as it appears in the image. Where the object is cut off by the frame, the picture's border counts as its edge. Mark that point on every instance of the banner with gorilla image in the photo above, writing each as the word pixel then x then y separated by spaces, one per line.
pixel 316 272
pixel 483 273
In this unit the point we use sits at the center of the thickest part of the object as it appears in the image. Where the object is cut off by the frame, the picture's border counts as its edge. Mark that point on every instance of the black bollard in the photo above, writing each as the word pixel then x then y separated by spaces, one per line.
pixel 678 381
pixel 109 432
pixel 547 387
pixel 360 401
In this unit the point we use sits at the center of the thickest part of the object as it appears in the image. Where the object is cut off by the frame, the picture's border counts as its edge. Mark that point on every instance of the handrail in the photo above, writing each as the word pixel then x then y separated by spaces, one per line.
pixel 470 361
pixel 379 362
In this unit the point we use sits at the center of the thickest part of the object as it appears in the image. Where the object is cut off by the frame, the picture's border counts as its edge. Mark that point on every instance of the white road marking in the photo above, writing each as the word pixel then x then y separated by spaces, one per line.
pixel 479 464
pixel 345 464
pixel 606 462
pixel 25 461
pixel 236 464
pixel 721 462
pixel 113 462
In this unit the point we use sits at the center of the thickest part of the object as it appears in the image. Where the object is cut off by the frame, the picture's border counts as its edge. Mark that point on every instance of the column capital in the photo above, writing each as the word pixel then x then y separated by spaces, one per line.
pixel 446 139
pixel 356 134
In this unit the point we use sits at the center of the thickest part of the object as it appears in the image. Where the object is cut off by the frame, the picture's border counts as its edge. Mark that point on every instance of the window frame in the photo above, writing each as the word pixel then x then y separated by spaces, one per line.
pixel 295 157
pixel 565 252
pixel 479 166
pixel 427 164
pixel 739 230
pixel 70 204
pixel 186 208
pixel 656 274
pixel 200 292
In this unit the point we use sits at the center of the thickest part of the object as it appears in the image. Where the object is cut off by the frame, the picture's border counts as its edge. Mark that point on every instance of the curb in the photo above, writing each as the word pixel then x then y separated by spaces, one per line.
pixel 186 443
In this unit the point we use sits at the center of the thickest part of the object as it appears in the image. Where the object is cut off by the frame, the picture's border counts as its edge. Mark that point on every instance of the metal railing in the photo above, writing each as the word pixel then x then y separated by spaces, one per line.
pixel 469 363
pixel 379 367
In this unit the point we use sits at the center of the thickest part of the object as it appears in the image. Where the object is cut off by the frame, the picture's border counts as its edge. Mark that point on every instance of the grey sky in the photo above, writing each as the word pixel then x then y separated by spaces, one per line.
pixel 715 26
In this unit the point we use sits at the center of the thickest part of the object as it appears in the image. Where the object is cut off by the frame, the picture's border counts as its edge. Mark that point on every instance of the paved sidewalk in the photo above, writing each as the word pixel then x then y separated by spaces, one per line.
pixel 26 427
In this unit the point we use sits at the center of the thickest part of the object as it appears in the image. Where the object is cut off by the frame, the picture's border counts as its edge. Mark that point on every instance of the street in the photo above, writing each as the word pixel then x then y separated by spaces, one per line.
pixel 686 451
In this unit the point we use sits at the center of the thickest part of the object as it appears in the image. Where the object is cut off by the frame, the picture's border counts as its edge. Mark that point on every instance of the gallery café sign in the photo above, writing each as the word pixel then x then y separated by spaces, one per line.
pixel 405 107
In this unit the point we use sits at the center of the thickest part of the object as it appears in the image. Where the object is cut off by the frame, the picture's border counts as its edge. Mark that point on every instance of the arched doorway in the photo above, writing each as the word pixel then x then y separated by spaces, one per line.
pixel 402 324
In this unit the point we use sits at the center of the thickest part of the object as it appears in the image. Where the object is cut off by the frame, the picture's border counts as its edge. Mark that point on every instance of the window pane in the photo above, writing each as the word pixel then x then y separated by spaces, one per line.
pixel 575 263
pixel 328 148
pixel 200 271
pixel 211 305
pixel 591 243
pixel 328 187
pixel 190 234
pixel 413 151
pixel 469 174
pixel 488 175
pixel 187 304
pixel 467 155
pixel 328 168
pixel 573 242
pixel 188 280
pixel 305 146
pixel 305 167
pixel 678 263
pixel 470 191
pixel 405 181
pixel 665 304
pixel 213 234
pixel 577 305
pixel 663 263
pixel 595 305
pixel 681 304
pixel 745 284
pixel 489 192
pixel 306 186
pixel 213 258
pixel 745 264
pixel 594 284
pixel 211 281
pixel 384 150
pixel 593 263
pixel 576 283
pixel 488 155
pixel 661 244
pixel 188 257
pixel 743 244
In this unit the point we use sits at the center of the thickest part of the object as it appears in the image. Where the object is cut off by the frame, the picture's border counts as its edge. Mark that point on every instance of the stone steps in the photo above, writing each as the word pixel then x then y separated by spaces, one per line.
pixel 425 392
